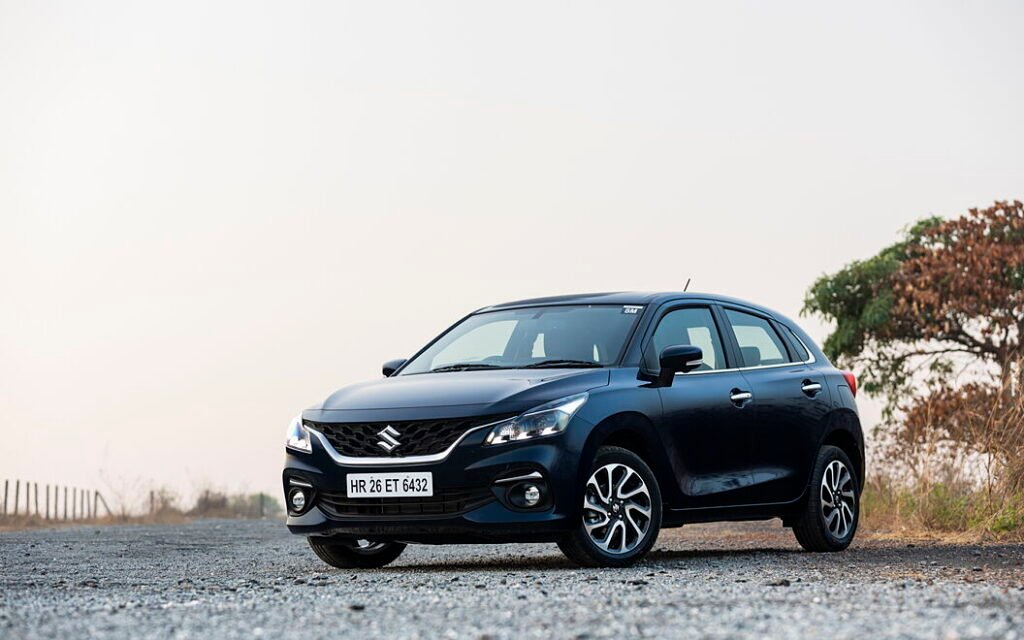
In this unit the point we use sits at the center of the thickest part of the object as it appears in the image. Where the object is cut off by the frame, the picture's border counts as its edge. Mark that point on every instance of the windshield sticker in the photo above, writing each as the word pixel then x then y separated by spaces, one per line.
pixel 631 309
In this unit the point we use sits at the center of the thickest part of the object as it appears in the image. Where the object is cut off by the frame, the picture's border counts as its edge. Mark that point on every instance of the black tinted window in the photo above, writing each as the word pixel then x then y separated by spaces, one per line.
pixel 691 326
pixel 759 344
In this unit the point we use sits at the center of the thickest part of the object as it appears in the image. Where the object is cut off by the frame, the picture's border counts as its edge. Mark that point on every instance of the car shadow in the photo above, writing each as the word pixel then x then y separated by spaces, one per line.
pixel 658 559
pixel 698 554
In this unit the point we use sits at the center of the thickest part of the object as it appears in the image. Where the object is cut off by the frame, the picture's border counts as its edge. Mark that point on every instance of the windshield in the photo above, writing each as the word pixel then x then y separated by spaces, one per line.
pixel 534 337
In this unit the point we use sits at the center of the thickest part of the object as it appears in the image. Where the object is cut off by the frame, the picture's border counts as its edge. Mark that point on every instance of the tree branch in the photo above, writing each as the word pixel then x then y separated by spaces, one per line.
pixel 934 352
pixel 981 345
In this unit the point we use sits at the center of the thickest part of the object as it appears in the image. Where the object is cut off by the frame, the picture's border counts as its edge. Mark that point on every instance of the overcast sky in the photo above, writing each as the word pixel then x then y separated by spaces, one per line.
pixel 212 214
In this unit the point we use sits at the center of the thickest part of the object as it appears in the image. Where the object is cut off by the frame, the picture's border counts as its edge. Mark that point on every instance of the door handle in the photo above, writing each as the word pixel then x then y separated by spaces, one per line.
pixel 738 396
pixel 810 388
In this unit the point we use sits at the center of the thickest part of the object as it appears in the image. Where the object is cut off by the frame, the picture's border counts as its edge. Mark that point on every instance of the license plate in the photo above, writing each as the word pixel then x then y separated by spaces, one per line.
pixel 390 485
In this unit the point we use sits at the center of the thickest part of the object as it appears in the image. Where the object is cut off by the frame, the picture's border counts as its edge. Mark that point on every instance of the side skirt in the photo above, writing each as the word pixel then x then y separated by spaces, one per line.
pixel 732 513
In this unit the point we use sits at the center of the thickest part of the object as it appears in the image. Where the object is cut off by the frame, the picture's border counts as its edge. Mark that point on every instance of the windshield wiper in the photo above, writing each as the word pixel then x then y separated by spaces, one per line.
pixel 555 364
pixel 466 366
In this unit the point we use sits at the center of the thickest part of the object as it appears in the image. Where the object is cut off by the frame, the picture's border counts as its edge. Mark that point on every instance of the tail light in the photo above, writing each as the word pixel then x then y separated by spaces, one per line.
pixel 851 381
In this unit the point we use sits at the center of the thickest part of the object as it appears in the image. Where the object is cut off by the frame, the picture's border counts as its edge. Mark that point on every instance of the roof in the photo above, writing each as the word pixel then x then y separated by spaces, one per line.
pixel 621 297
pixel 655 299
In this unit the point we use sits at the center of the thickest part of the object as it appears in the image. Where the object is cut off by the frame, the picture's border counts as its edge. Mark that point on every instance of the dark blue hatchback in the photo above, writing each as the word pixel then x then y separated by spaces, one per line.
pixel 592 421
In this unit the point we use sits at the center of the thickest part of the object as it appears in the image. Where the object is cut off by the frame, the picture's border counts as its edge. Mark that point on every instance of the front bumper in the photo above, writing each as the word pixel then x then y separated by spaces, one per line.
pixel 470 466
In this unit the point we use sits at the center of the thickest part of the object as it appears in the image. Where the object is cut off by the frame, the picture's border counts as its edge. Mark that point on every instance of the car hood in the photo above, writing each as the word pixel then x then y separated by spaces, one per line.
pixel 454 394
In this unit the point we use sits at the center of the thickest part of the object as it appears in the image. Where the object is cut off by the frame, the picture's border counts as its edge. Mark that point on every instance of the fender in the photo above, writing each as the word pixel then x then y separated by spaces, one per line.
pixel 636 432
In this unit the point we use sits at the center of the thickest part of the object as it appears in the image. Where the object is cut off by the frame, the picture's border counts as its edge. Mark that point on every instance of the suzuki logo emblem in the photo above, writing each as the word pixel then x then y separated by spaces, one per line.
pixel 388 437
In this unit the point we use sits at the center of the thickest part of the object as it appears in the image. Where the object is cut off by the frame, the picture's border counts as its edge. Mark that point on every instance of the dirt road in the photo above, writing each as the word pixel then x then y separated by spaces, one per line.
pixel 243 579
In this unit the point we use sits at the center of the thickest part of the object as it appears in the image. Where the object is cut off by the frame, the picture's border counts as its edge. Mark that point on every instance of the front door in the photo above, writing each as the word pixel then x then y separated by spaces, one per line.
pixel 707 413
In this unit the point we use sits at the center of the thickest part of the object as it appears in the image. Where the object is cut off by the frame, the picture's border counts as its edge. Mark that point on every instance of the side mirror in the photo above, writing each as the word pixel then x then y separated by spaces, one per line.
pixel 680 358
pixel 391 366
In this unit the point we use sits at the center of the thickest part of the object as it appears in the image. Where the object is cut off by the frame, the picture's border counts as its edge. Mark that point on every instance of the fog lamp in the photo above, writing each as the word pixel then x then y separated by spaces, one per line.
pixel 298 500
pixel 531 495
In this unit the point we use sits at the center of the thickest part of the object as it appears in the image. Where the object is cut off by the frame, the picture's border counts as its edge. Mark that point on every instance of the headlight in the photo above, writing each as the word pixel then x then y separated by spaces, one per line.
pixel 298 436
pixel 545 420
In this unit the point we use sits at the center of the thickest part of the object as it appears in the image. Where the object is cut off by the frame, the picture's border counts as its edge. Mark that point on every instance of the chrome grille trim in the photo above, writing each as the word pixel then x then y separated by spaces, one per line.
pixel 392 461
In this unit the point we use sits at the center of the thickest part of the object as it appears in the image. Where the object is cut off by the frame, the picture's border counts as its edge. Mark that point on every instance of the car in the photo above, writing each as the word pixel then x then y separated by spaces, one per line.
pixel 591 421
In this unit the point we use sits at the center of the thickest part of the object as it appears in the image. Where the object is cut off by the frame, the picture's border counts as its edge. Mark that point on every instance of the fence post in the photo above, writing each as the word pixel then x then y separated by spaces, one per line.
pixel 104 501
pixel 65 503
pixel 5 497
pixel 95 500
pixel 17 491
pixel 261 504
pixel 47 502
pixel 36 498
pixel 152 506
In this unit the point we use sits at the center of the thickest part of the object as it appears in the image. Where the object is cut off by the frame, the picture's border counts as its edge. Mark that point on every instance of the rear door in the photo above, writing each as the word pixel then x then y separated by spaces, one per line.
pixel 704 430
pixel 791 402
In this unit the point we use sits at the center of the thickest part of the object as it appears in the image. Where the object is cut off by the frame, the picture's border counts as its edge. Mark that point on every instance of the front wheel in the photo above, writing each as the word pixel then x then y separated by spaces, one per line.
pixel 621 513
pixel 360 554
pixel 828 518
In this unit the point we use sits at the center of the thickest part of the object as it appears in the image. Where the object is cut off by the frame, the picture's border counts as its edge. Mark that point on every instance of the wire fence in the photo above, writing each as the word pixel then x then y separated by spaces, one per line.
pixel 22 499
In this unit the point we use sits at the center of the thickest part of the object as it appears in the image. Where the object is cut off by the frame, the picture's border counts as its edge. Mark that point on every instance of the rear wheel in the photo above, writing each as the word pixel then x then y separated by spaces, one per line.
pixel 621 513
pixel 360 554
pixel 828 519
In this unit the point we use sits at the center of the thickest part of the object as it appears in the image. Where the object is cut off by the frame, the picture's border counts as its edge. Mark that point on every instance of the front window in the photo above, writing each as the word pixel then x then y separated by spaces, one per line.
pixel 688 326
pixel 534 337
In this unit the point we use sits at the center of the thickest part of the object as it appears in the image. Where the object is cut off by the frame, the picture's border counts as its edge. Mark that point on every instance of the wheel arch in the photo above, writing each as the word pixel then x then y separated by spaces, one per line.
pixel 845 433
pixel 634 432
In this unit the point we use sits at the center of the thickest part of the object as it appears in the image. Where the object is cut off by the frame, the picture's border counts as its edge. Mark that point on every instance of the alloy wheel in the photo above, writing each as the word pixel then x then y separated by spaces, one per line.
pixel 837 499
pixel 616 508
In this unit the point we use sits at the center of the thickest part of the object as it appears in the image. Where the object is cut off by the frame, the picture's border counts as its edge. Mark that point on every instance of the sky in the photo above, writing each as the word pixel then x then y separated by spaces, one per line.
pixel 214 214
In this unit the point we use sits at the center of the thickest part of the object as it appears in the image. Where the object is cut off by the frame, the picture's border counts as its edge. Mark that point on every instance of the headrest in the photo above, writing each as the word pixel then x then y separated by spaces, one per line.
pixel 565 343
pixel 751 356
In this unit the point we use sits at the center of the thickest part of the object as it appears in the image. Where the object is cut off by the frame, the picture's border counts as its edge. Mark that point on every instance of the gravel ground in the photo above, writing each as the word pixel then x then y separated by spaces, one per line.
pixel 249 579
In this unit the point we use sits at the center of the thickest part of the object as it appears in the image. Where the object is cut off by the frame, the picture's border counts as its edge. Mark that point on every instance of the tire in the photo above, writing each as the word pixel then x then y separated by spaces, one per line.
pixel 817 526
pixel 618 530
pixel 361 555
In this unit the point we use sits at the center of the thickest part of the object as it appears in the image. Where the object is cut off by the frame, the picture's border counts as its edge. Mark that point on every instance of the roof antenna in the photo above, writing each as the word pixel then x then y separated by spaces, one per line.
pixel 687 285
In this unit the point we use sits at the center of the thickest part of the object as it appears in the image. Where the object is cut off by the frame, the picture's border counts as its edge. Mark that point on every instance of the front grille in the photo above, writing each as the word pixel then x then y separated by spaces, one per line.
pixel 445 502
pixel 415 437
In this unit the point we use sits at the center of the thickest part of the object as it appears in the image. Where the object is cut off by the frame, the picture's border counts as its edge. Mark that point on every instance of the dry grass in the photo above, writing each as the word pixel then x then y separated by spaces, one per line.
pixel 954 464
pixel 164 508
pixel 950 513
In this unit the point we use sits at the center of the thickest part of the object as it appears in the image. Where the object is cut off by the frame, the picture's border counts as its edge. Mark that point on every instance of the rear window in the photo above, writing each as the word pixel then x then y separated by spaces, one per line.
pixel 798 346
pixel 760 345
